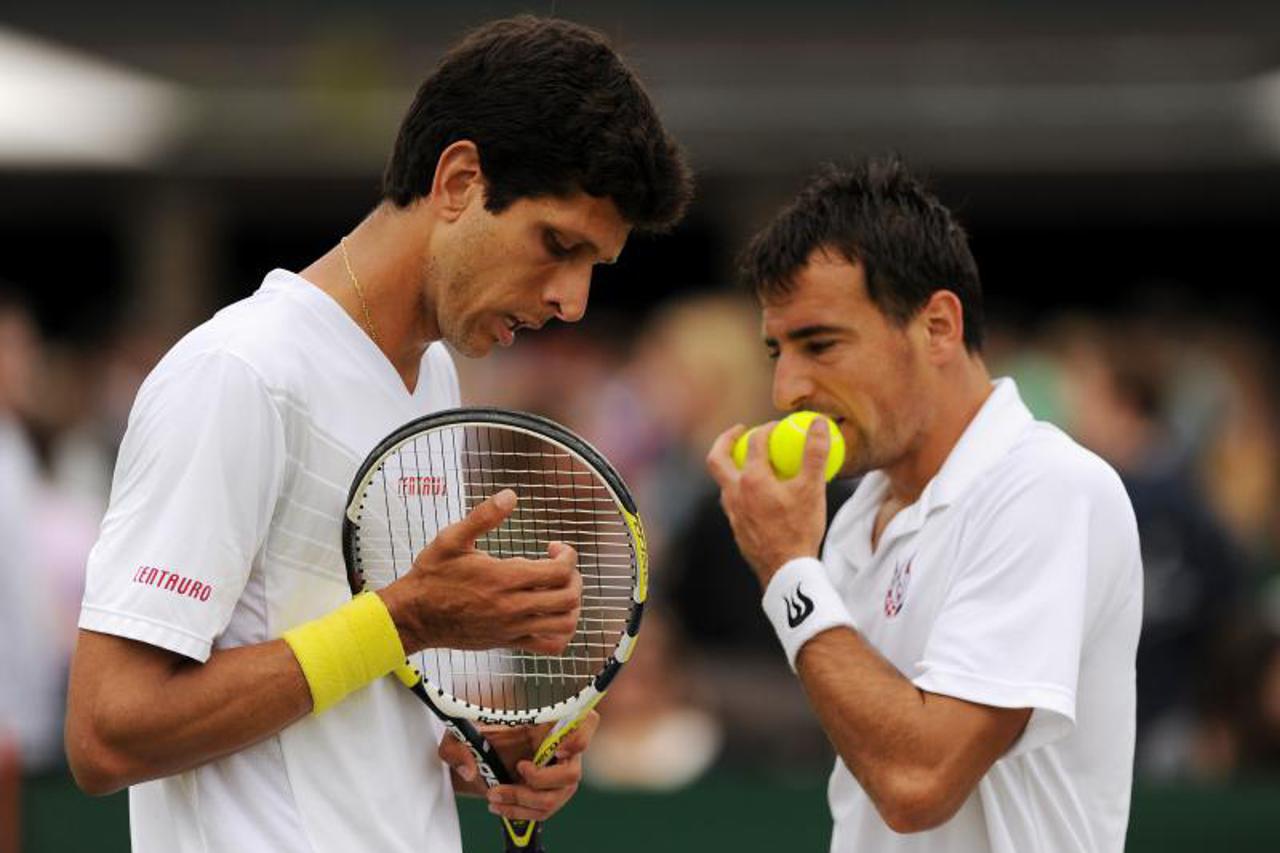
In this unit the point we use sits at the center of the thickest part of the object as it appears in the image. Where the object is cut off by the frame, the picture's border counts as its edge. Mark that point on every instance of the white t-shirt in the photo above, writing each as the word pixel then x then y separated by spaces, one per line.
pixel 1013 581
pixel 224 530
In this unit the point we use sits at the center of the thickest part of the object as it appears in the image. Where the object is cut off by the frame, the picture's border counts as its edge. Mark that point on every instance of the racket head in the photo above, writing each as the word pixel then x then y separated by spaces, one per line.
pixel 434 470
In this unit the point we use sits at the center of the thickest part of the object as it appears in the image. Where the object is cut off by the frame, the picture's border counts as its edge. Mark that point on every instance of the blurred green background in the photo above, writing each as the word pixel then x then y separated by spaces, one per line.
pixel 720 812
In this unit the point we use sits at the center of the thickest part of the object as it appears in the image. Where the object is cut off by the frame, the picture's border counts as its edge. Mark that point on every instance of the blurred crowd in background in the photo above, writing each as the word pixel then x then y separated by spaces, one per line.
pixel 1117 164
pixel 1184 408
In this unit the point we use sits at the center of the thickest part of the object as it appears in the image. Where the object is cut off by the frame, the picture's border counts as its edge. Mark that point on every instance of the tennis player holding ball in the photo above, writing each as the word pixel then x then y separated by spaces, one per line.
pixel 967 638
pixel 223 671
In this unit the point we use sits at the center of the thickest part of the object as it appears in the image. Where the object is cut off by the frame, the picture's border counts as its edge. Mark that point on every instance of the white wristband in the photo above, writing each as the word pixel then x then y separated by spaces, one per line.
pixel 801 603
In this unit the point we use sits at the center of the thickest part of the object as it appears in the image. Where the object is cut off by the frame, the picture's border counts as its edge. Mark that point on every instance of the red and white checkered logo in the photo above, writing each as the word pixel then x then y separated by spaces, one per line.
pixel 896 595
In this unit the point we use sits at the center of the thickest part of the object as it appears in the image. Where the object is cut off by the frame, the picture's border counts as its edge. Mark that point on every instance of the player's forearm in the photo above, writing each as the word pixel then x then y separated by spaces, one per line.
pixel 884 730
pixel 165 714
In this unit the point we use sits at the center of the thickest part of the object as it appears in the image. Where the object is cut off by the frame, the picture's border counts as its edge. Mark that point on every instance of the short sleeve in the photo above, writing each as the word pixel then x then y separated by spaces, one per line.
pixel 1010 628
pixel 196 483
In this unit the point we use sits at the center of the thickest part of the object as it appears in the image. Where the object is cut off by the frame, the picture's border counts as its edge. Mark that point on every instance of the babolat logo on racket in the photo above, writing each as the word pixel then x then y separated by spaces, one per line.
pixel 407 486
pixel 799 606
pixel 482 764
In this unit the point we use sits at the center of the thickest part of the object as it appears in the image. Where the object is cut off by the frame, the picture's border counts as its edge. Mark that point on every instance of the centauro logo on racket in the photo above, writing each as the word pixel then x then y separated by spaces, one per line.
pixel 426 486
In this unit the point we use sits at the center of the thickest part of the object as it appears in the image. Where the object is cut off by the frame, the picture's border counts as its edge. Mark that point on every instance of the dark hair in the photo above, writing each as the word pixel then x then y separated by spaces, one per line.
pixel 553 110
pixel 876 214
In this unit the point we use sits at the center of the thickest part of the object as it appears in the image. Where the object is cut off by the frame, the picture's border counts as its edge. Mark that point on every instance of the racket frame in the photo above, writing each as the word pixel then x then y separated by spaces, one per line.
pixel 460 716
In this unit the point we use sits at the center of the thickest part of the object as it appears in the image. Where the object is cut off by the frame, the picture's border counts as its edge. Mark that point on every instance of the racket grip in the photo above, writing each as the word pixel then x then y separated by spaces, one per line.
pixel 524 836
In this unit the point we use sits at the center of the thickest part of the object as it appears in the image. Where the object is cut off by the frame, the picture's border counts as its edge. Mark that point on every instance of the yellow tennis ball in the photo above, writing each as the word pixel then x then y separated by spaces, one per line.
pixel 786 445
pixel 740 447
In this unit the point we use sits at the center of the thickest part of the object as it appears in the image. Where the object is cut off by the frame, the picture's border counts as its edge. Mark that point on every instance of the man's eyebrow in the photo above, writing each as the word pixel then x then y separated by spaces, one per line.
pixel 813 331
pixel 581 240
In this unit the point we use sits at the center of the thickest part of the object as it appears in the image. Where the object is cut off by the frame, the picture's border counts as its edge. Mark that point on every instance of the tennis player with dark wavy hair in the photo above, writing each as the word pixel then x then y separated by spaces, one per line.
pixel 217 624
pixel 967 638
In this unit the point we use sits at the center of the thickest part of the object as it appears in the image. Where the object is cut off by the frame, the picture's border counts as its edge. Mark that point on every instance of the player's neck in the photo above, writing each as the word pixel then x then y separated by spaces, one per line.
pixel 384 252
pixel 960 396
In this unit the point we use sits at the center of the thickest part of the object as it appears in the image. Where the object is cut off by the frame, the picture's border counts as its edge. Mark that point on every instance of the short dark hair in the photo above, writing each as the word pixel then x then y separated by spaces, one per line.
pixel 873 212
pixel 553 110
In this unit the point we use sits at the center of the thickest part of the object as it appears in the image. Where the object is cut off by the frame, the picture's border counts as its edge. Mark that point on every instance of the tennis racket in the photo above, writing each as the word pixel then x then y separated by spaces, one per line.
pixel 431 473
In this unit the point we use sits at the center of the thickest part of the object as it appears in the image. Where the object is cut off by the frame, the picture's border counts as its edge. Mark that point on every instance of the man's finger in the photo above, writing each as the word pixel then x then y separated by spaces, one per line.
pixel 540 644
pixel 488 515
pixel 720 457
pixel 522 796
pixel 563 552
pixel 558 628
pixel 817 445
pixel 580 738
pixel 535 603
pixel 520 812
pixel 555 777
pixel 458 756
pixel 552 573
pixel 758 446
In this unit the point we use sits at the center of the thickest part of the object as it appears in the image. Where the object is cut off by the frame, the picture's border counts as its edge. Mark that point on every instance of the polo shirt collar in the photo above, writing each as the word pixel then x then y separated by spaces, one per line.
pixel 988 438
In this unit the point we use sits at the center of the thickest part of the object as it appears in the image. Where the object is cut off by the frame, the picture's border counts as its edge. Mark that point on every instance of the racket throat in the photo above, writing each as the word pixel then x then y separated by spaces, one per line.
pixel 486 772
pixel 522 835
pixel 491 770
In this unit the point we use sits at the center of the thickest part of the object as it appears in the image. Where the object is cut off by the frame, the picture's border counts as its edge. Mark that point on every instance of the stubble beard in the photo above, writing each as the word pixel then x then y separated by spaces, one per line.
pixel 865 453
pixel 451 288
pixel 892 440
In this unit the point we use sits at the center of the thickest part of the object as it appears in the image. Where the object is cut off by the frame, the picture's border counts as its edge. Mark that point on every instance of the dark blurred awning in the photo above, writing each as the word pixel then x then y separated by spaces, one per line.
pixel 751 88
pixel 62 108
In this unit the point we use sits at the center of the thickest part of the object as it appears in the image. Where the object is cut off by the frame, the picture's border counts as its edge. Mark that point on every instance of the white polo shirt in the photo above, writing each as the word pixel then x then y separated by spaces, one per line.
pixel 224 530
pixel 1014 581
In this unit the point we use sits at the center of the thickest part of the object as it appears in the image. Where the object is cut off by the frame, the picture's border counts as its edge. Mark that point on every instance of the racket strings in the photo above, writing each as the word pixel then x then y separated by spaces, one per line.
pixel 437 478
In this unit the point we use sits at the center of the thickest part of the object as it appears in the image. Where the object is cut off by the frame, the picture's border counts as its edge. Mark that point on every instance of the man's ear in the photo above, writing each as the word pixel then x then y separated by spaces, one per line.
pixel 942 322
pixel 458 181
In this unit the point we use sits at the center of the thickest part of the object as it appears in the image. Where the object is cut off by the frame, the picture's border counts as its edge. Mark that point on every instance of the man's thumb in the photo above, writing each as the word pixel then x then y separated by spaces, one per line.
pixel 817 445
pixel 486 516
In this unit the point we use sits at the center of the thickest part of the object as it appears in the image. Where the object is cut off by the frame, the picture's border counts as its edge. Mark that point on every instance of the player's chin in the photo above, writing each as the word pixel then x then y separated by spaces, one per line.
pixel 859 460
pixel 854 444
pixel 475 344
pixel 849 470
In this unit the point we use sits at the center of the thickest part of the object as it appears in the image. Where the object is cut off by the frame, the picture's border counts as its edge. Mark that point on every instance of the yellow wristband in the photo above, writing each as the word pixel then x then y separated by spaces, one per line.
pixel 347 649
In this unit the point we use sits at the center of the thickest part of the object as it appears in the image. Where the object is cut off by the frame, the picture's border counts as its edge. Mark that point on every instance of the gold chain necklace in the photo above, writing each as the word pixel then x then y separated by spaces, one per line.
pixel 355 282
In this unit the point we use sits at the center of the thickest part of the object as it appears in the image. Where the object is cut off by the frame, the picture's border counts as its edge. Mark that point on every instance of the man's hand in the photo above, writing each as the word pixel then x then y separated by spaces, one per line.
pixel 773 520
pixel 544 790
pixel 459 597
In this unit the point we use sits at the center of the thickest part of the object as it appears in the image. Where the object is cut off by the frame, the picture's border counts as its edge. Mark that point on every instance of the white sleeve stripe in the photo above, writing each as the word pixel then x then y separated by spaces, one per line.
pixel 145 630
pixel 309 509
pixel 1000 694
pixel 305 414
pixel 302 537
pixel 304 472
pixel 165 625
pixel 284 561
pixel 925 666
